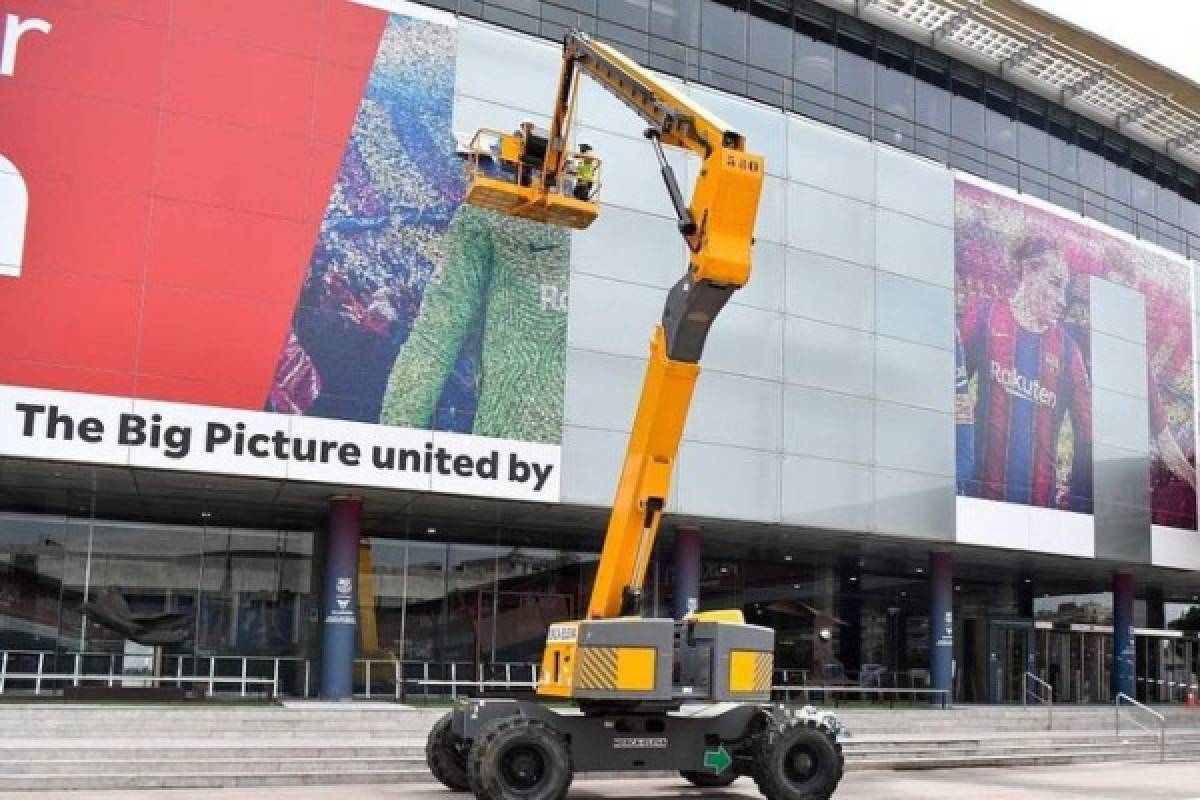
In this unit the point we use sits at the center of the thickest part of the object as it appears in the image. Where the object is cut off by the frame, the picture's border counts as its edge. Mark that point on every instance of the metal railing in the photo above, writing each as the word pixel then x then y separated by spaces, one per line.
pixel 383 677
pixel 1047 700
pixel 46 672
pixel 1162 722
pixel 831 695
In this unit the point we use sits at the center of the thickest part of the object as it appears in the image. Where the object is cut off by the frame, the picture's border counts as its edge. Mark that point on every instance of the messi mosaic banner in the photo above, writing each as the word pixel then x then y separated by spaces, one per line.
pixel 1024 402
pixel 257 208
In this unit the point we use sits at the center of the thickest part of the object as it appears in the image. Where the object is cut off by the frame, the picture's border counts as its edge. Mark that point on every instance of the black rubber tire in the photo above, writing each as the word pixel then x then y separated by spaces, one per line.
pixel 446 755
pixel 799 760
pixel 707 780
pixel 517 758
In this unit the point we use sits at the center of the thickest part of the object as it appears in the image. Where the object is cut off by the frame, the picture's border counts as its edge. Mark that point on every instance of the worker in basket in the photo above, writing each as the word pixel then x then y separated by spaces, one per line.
pixel 586 167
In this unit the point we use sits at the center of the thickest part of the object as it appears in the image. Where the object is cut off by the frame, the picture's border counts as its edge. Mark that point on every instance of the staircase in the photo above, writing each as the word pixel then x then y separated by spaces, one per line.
pixel 121 747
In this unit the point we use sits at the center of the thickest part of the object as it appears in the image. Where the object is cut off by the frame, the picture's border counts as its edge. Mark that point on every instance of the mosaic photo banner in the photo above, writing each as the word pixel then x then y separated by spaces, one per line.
pixel 1024 355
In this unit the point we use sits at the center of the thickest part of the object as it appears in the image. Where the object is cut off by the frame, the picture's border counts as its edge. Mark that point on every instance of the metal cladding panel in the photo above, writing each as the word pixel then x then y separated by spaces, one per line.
pixel 728 640
pixel 605 655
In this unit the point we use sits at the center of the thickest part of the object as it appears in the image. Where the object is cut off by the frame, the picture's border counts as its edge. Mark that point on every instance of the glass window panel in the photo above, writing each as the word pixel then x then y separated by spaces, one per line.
pixel 630 13
pixel 583 6
pixel 673 58
pixel 1118 183
pixel 1001 133
pixel 633 42
pixel 387 583
pixel 767 86
pixel 1063 158
pixel 723 31
pixel 555 18
pixel 677 20
pixel 34 556
pixel 471 578
pixel 1166 198
pixel 533 587
pixel 813 61
pixel 1091 170
pixel 896 88
pixel 1033 146
pixel 855 71
pixel 425 602
pixel 813 101
pixel 723 73
pixel 966 112
pixel 770 46
pixel 145 569
pixel 517 20
pixel 1143 194
pixel 1189 216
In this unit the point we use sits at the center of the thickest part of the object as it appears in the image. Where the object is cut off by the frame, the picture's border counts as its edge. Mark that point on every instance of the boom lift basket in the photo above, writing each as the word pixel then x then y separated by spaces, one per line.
pixel 500 181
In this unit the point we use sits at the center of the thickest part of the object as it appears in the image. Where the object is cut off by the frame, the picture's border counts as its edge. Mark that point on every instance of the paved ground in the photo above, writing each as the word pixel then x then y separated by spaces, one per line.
pixel 1178 781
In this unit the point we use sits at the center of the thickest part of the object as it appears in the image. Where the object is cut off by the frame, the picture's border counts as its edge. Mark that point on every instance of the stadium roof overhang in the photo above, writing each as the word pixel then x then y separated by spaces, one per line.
pixel 1054 59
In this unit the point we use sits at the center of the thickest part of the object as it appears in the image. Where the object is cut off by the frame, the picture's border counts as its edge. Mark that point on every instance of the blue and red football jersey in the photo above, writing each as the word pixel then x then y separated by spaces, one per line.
pixel 1028 383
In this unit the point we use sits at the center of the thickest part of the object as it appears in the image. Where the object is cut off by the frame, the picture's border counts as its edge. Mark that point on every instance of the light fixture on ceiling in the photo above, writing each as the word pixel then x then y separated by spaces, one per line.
pixel 205 514
pixel 920 570
pixel 787 558
pixel 958 588
pixel 795 586
pixel 1029 580
pixel 854 579
pixel 431 530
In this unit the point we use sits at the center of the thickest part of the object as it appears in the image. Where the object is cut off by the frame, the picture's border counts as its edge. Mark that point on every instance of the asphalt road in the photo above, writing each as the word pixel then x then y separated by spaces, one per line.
pixel 1177 781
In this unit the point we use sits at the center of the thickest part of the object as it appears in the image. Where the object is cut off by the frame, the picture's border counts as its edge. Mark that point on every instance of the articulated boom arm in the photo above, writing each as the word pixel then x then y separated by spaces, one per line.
pixel 718 226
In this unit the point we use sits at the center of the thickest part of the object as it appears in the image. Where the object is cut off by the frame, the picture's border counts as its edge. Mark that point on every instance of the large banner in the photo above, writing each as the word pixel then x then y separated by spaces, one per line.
pixel 1024 397
pixel 233 236
pixel 417 310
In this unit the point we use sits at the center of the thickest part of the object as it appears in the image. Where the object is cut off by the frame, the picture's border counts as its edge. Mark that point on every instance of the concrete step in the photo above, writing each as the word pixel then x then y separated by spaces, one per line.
pixel 1027 759
pixel 249 764
pixel 207 780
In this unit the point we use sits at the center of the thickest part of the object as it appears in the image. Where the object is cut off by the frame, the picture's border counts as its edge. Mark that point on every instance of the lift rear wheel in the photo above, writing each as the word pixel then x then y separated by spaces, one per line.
pixel 446 755
pixel 707 780
pixel 800 760
pixel 517 758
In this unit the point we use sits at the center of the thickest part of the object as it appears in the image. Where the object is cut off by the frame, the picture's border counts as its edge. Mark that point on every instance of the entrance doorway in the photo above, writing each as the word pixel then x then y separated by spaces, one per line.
pixel 1075 660
pixel 1167 666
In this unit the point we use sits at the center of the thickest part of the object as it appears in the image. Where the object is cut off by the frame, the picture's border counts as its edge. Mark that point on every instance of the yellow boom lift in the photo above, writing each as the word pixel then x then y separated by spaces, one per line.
pixel 645 693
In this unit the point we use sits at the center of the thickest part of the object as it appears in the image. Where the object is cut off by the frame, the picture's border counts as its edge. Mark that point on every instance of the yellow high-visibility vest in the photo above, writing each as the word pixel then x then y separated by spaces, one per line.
pixel 585 169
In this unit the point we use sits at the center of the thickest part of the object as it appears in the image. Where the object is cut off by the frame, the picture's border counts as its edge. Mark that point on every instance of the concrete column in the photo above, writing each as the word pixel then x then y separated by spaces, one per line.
pixel 941 623
pixel 339 606
pixel 1124 646
pixel 687 571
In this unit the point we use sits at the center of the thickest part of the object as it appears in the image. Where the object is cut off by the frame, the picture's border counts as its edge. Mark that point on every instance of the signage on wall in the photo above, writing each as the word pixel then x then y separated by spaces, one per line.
pixel 221 249
pixel 48 424
pixel 14 195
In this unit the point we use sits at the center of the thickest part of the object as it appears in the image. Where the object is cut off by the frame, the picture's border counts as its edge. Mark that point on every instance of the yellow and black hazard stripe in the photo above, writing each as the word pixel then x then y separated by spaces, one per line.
pixel 750 671
pixel 763 666
pixel 597 668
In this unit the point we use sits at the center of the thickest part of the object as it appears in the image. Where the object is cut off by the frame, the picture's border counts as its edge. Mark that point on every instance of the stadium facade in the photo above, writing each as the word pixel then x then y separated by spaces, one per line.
pixel 274 403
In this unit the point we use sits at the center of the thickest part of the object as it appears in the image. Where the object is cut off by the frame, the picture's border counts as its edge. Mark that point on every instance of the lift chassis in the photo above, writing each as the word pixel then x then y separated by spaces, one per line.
pixel 517 748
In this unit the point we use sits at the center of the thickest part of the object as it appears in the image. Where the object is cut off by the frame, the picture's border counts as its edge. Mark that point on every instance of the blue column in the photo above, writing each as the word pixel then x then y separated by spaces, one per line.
pixel 941 624
pixel 687 571
pixel 339 607
pixel 1124 646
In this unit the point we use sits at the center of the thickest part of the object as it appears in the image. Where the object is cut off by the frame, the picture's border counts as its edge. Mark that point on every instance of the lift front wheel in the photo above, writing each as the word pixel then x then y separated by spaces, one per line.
pixel 446 755
pixel 517 758
pixel 800 761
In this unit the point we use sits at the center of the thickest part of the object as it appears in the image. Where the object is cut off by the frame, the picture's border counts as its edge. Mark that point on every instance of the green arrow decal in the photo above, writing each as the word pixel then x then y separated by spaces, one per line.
pixel 717 760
